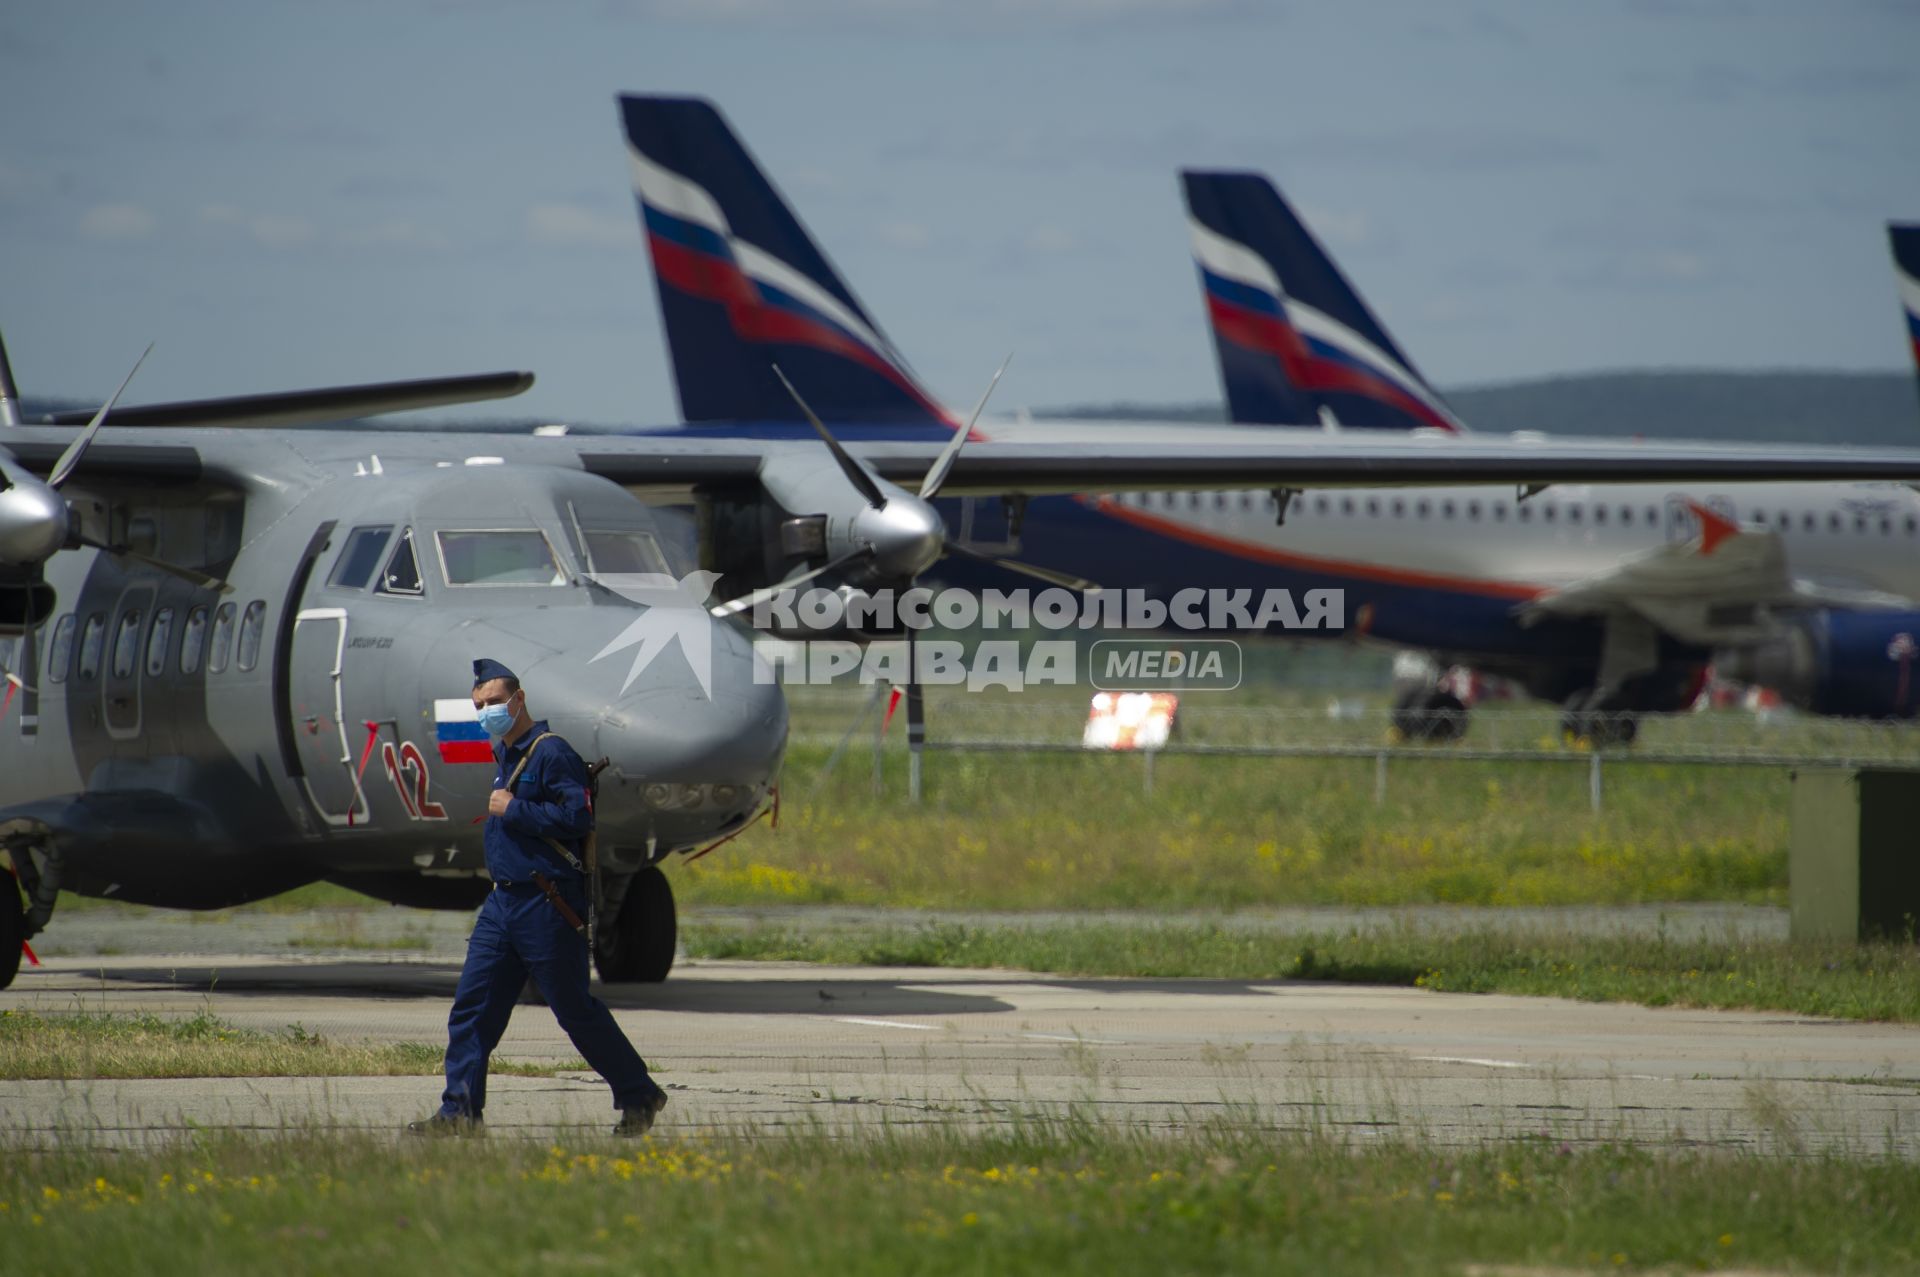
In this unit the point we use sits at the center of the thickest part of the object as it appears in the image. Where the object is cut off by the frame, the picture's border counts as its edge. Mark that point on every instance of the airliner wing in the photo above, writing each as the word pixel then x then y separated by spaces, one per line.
pixel 1722 587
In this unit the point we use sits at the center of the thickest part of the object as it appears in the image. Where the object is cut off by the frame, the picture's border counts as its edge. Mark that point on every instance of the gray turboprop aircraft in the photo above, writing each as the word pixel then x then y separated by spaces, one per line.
pixel 236 658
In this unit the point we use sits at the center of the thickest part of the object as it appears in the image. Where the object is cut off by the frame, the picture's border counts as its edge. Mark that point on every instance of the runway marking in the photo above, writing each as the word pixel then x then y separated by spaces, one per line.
pixel 1469 1059
pixel 886 1024
pixel 1065 1037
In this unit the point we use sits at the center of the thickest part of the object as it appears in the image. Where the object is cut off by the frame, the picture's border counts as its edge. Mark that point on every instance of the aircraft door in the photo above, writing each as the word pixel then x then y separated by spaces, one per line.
pixel 318 703
pixel 126 644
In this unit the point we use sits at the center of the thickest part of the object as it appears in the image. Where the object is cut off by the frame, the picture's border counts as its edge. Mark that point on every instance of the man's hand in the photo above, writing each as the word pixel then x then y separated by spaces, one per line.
pixel 497 805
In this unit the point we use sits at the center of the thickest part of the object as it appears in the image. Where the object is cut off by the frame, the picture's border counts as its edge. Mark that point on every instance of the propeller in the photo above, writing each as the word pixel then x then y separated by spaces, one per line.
pixel 911 536
pixel 35 522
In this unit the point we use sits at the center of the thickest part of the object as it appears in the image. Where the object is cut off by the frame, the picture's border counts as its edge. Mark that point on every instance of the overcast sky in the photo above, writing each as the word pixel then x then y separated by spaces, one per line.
pixel 286 195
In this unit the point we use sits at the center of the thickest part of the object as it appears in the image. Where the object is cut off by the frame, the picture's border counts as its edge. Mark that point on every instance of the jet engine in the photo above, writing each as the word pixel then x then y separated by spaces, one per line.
pixel 1850 664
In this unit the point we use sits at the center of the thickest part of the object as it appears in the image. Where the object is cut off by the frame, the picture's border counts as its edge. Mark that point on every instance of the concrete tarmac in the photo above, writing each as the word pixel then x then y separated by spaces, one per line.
pixel 762 1047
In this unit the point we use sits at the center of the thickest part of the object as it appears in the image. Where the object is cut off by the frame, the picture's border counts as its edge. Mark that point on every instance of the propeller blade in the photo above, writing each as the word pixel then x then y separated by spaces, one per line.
pixel 733 607
pixel 190 575
pixel 1014 565
pixel 77 449
pixel 937 473
pixel 856 473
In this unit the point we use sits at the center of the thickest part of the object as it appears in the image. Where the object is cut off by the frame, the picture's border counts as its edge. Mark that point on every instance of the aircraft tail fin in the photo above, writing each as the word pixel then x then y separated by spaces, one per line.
pixel 1905 238
pixel 743 286
pixel 1294 339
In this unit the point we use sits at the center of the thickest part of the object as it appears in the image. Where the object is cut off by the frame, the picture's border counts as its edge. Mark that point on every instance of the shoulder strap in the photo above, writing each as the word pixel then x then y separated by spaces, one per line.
pixel 554 843
pixel 527 758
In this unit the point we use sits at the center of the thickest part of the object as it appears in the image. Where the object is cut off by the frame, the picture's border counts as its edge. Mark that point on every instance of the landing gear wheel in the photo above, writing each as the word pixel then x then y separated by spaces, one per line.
pixel 637 946
pixel 1430 715
pixel 13 929
pixel 1597 728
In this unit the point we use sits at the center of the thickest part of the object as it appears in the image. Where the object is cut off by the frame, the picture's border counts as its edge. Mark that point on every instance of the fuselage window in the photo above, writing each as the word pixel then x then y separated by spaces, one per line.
pixel 1913 525
pixel 1499 512
pixel 1523 512
pixel 1626 516
pixel 1321 505
pixel 1446 509
pixel 1573 514
pixel 60 653
pixel 1886 525
pixel 157 642
pixel 192 638
pixel 1421 509
pixel 126 644
pixel 1473 509
pixel 252 626
pixel 1373 508
pixel 1833 522
pixel 1547 512
pixel 1599 516
pixel 1785 521
pixel 403 569
pixel 222 639
pixel 360 558
pixel 1806 521
pixel 1346 506
pixel 92 640
pixel 627 551
pixel 1860 523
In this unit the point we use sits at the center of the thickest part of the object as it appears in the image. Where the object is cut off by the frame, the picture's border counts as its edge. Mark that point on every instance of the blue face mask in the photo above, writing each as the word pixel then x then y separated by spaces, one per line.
pixel 497 719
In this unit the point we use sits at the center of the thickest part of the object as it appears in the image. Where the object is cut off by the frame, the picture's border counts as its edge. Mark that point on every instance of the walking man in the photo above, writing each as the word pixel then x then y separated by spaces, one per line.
pixel 533 921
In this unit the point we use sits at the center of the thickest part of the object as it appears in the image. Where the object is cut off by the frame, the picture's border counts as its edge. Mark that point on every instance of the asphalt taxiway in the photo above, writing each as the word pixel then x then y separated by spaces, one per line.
pixel 759 1046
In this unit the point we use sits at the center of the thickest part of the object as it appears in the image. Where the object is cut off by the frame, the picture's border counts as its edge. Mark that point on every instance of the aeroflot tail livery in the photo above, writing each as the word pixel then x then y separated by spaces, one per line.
pixel 1905 237
pixel 743 288
pixel 1294 338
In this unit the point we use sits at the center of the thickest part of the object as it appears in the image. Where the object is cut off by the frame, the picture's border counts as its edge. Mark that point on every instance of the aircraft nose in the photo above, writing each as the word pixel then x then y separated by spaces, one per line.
pixel 684 761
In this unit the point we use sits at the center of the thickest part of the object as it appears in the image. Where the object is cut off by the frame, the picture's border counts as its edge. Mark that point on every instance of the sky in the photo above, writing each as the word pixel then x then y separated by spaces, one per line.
pixel 290 195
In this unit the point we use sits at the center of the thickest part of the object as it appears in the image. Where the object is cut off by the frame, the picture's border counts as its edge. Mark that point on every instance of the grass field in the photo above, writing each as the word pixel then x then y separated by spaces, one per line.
pixel 1071 831
pixel 1056 1198
pixel 84 1044
pixel 1863 982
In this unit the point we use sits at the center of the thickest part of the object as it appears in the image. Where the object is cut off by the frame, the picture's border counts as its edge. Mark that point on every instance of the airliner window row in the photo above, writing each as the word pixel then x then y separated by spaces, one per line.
pixel 126 650
pixel 1522 512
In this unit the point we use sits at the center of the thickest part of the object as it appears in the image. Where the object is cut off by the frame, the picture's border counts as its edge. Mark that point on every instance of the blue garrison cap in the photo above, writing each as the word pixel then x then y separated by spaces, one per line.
pixel 485 671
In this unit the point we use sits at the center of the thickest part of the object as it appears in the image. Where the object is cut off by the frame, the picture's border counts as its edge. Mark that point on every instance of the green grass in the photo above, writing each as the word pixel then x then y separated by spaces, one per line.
pixel 1074 831
pixel 84 1044
pixel 1059 1198
pixel 338 928
pixel 1860 982
pixel 1071 831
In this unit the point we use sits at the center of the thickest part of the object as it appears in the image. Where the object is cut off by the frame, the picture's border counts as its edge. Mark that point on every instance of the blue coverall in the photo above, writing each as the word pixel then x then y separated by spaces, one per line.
pixel 520 933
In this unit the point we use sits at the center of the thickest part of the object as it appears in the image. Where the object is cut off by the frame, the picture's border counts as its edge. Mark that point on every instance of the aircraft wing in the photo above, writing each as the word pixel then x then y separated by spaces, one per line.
pixel 1314 461
pixel 324 403
pixel 1720 588
pixel 687 461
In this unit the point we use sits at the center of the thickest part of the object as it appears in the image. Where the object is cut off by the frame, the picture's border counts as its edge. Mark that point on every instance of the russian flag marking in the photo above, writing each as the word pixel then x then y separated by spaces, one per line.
pixel 457 731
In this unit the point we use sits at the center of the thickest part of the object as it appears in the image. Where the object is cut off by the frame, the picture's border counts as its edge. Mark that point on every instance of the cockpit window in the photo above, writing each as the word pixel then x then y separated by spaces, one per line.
pixel 360 558
pixel 614 552
pixel 517 557
pixel 403 569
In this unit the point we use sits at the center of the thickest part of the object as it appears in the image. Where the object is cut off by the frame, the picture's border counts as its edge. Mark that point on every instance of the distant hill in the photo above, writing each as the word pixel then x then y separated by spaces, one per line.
pixel 1872 408
pixel 1769 407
